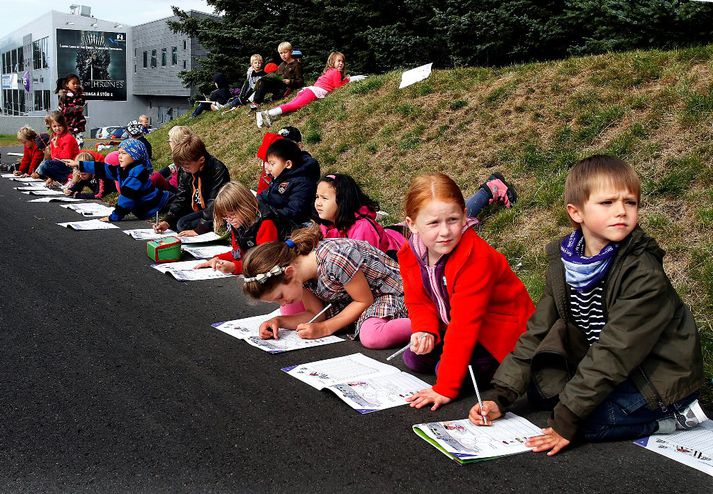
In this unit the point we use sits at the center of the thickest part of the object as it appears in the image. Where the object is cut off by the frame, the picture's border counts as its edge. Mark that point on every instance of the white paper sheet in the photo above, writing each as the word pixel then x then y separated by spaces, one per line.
pixel 415 75
pixel 148 234
pixel 55 199
pixel 89 225
pixel 8 175
pixel 27 180
pixel 90 209
pixel 693 448
pixel 325 373
pixel 44 192
pixel 32 187
pixel 184 271
pixel 463 441
pixel 380 393
pixel 205 251
pixel 245 327
pixel 200 239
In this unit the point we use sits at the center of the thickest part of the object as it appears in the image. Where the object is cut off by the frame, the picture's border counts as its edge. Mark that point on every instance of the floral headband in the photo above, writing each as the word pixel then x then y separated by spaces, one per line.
pixel 263 277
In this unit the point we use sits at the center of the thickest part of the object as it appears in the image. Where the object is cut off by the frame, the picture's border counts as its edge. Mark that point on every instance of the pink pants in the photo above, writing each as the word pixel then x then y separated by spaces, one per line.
pixel 303 98
pixel 379 333
pixel 292 309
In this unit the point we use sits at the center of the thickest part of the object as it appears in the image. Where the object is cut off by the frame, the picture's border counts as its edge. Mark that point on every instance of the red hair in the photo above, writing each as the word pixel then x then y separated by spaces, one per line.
pixel 431 187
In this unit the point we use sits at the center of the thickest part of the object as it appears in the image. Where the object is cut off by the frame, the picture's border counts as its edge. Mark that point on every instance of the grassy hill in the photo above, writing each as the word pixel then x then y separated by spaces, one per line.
pixel 531 122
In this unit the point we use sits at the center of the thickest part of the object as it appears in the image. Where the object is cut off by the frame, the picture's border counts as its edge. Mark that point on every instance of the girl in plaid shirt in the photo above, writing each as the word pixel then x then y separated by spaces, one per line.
pixel 361 282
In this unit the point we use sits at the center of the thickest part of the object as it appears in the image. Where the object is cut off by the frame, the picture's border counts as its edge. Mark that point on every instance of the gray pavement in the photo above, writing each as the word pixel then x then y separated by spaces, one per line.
pixel 112 380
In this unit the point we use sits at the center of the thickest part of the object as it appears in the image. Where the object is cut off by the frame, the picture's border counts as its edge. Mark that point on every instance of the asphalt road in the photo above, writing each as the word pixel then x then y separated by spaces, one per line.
pixel 112 380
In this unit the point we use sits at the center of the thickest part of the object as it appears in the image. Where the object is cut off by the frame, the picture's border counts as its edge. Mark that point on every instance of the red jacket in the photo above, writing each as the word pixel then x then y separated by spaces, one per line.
pixel 266 233
pixel 331 80
pixel 489 305
pixel 31 157
pixel 64 146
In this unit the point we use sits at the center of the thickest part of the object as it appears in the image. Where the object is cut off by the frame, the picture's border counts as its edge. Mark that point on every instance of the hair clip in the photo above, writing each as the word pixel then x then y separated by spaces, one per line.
pixel 263 277
pixel 290 243
pixel 331 176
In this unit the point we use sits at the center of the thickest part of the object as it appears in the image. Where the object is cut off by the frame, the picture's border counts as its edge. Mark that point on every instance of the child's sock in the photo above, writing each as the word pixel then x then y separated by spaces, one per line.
pixel 275 112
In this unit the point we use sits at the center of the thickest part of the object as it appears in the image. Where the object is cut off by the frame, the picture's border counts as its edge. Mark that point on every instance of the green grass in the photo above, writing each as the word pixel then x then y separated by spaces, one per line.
pixel 532 123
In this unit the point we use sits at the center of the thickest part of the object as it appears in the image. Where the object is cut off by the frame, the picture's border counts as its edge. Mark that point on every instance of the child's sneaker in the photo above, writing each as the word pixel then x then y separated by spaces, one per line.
pixel 690 416
pixel 254 106
pixel 263 119
pixel 500 190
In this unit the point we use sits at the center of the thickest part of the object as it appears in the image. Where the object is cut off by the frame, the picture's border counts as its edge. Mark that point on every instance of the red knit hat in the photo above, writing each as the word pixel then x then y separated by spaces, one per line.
pixel 267 140
pixel 270 67
pixel 112 158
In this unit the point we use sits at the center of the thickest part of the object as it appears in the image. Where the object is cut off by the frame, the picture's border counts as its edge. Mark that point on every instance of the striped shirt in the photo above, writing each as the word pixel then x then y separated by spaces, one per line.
pixel 587 310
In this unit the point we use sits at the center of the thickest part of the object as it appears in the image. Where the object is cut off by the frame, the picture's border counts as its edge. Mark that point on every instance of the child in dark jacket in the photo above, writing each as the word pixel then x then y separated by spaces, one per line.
pixel 200 178
pixel 32 153
pixel 220 95
pixel 611 346
pixel 287 78
pixel 137 193
pixel 99 187
pixel 290 195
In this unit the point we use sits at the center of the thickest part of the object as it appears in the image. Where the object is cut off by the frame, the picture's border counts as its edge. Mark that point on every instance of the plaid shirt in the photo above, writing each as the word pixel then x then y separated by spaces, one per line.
pixel 339 259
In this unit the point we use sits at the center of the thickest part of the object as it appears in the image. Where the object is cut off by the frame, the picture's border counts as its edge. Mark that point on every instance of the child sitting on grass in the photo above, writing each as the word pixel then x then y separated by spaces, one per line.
pixel 611 346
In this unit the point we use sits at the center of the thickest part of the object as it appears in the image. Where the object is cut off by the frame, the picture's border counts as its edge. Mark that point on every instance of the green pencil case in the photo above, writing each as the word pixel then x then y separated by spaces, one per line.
pixel 164 249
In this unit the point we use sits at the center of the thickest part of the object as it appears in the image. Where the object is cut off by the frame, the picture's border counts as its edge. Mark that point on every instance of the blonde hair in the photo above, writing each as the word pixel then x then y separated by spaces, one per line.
pixel 330 62
pixel 431 187
pixel 589 173
pixel 178 134
pixel 234 197
pixel 284 46
pixel 26 133
pixel 257 56
pixel 262 258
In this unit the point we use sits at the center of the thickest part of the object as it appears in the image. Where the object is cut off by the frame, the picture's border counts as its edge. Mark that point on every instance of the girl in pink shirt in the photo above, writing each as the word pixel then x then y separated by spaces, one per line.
pixel 332 78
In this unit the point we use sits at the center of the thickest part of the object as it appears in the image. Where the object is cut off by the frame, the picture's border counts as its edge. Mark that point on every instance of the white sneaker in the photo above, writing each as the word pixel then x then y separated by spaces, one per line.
pixel 258 119
pixel 690 416
pixel 266 120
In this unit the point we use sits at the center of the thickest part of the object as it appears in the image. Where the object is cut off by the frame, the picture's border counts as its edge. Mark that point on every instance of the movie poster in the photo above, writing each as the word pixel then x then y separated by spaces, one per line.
pixel 98 58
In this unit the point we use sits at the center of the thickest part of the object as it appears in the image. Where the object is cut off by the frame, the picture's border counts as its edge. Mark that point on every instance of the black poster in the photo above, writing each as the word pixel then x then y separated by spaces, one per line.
pixel 98 58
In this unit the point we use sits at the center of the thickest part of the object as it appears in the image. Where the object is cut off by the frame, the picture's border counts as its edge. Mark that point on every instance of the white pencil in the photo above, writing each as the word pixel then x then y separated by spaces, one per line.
pixel 319 313
pixel 477 395
pixel 391 357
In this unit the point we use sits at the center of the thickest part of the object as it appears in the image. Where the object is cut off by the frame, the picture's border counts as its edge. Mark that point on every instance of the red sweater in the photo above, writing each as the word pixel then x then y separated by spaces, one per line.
pixel 64 147
pixel 31 157
pixel 489 305
pixel 331 80
pixel 266 233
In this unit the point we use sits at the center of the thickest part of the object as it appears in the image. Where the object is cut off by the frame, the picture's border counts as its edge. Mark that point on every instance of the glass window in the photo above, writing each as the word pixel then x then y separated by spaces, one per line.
pixel 164 57
pixel 184 64
pixel 39 53
pixel 20 59
pixel 184 44
pixel 146 59
pixel 153 59
pixel 174 55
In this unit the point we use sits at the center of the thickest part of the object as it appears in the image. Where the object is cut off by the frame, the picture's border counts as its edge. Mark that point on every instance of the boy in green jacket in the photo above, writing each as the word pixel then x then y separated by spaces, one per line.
pixel 611 348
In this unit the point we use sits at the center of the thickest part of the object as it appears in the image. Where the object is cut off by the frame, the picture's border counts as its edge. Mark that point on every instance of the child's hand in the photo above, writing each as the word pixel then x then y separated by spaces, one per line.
pixel 313 330
pixel 427 396
pixel 490 410
pixel 72 163
pixel 161 226
pixel 217 264
pixel 187 233
pixel 68 192
pixel 422 343
pixel 105 219
pixel 35 175
pixel 549 440
pixel 270 328
pixel 17 173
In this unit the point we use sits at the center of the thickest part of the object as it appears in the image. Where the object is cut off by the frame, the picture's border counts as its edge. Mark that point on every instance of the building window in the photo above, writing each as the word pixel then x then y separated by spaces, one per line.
pixel 134 68
pixel 174 55
pixel 153 59
pixel 40 51
pixel 164 57
pixel 184 64
pixel 42 100
pixel 184 44
pixel 20 59
pixel 146 59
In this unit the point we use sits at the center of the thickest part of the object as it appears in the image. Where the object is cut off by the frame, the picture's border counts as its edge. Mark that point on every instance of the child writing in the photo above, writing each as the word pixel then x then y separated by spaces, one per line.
pixel 290 194
pixel 62 147
pixel 465 303
pixel 98 187
pixel 200 177
pixel 236 205
pixel 137 194
pixel 361 282
pixel 71 104
pixel 345 211
pixel 611 345
pixel 32 153
pixel 332 77
pixel 288 77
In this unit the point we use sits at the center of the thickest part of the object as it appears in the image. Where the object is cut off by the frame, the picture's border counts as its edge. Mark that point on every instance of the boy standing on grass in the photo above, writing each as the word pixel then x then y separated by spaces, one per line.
pixel 611 347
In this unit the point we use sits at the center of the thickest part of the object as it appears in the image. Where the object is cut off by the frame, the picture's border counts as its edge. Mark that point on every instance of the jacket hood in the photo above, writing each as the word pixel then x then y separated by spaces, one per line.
pixel 220 80
pixel 636 243
pixel 310 167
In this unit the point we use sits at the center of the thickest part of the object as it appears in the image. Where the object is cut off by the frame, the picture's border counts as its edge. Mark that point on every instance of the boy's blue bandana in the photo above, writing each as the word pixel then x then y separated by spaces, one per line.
pixel 584 273
pixel 137 150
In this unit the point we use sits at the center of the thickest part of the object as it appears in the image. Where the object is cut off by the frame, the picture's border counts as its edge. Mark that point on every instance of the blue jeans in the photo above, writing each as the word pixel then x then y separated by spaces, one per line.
pixel 475 203
pixel 54 169
pixel 200 109
pixel 189 221
pixel 624 415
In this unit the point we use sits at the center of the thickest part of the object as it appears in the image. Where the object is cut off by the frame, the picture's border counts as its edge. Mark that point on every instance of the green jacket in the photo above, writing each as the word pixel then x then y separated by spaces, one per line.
pixel 650 336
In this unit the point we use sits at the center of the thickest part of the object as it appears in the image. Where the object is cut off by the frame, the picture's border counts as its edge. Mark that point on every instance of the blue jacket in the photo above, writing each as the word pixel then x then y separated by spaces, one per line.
pixel 290 195
pixel 137 195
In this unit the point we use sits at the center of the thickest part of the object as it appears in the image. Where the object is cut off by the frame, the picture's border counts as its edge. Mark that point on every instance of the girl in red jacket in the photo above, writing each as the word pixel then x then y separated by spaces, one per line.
pixel 32 154
pixel 236 206
pixel 332 78
pixel 465 304
pixel 63 148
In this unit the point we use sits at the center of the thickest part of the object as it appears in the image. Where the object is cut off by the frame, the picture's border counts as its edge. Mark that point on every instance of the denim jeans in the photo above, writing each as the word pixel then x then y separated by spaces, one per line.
pixel 189 221
pixel 624 415
pixel 475 203
pixel 54 169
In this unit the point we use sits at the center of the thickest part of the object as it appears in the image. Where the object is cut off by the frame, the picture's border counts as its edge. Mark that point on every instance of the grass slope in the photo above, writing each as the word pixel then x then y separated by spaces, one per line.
pixel 531 122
